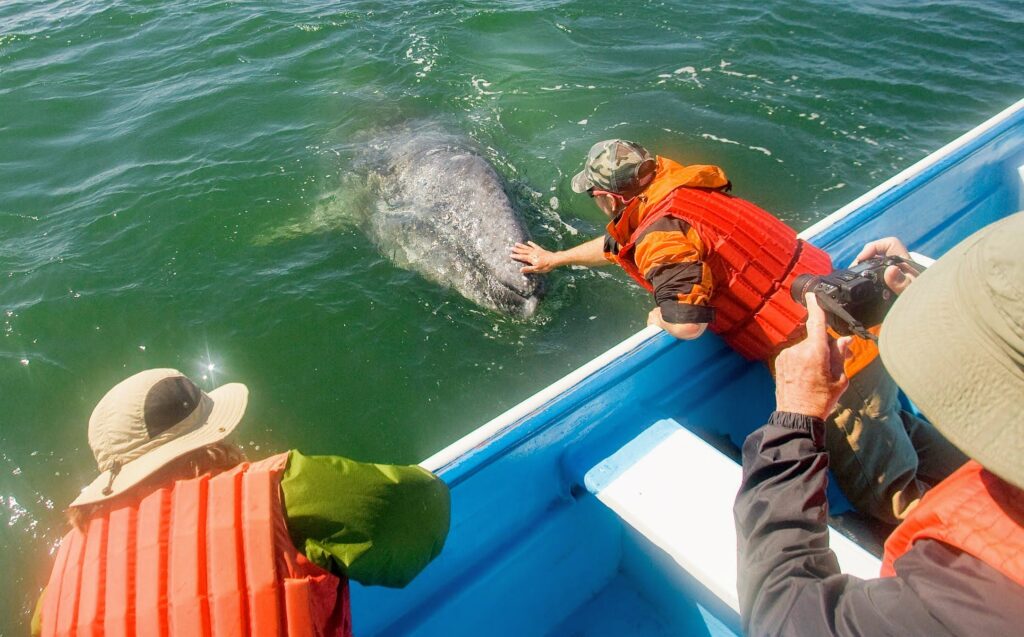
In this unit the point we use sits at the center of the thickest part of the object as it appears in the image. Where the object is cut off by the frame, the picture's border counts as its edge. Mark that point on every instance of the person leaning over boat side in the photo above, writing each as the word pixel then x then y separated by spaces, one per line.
pixel 180 535
pixel 954 341
pixel 714 260
pixel 710 259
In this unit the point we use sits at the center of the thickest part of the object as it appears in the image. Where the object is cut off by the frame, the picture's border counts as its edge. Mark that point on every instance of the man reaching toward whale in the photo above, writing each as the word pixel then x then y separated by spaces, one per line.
pixel 711 260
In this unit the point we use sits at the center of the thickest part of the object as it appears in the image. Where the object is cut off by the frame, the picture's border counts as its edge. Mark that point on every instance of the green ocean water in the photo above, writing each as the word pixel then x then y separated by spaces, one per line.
pixel 178 183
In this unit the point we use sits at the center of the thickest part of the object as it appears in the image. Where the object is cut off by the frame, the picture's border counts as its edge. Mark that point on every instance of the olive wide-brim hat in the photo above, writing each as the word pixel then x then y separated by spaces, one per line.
pixel 150 419
pixel 954 342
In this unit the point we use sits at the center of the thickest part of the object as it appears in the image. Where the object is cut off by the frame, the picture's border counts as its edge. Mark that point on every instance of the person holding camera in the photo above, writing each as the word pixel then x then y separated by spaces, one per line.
pixel 954 341
pixel 180 534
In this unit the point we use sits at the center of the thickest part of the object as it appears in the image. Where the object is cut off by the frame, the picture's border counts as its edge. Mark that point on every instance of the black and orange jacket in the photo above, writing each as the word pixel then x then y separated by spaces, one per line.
pixel 710 257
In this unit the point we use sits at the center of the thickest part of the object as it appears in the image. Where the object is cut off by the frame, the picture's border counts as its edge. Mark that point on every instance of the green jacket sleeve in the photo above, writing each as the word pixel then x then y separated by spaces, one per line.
pixel 378 524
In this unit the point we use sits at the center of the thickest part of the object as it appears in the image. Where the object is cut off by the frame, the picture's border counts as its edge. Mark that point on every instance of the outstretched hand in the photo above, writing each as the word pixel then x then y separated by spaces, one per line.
pixel 809 376
pixel 897 277
pixel 537 259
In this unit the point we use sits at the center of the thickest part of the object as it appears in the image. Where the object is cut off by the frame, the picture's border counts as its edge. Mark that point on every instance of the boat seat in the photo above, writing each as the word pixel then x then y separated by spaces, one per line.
pixel 678 492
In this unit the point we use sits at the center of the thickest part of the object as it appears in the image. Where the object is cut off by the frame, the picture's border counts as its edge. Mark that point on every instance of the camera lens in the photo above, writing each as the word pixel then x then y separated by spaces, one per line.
pixel 803 284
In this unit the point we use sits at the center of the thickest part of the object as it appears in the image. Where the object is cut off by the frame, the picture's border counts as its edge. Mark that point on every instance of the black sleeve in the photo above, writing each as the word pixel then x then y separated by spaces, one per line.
pixel 679 293
pixel 673 311
pixel 789 580
pixel 610 245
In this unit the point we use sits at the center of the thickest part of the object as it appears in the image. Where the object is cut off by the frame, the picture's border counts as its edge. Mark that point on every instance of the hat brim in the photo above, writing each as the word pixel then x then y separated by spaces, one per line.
pixel 951 371
pixel 581 183
pixel 229 402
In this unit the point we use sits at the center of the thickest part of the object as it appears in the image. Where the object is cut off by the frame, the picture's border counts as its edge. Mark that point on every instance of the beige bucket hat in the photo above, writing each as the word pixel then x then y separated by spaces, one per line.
pixel 954 341
pixel 151 418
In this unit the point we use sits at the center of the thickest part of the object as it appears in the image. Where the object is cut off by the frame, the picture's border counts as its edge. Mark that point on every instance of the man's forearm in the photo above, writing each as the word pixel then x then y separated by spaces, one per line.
pixel 589 254
pixel 377 524
pixel 781 514
pixel 789 580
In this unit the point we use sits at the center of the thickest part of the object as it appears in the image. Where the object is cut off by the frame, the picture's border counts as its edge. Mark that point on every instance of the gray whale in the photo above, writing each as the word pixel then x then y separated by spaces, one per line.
pixel 443 212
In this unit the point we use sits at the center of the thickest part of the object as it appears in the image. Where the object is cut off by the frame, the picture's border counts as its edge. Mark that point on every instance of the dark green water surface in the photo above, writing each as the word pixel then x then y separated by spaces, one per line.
pixel 177 185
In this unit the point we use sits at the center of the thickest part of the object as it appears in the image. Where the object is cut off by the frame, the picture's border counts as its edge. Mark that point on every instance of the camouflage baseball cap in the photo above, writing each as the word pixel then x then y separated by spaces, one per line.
pixel 612 165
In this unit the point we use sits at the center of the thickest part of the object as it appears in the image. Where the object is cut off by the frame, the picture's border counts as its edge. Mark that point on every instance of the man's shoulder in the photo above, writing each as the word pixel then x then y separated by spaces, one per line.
pixel 933 568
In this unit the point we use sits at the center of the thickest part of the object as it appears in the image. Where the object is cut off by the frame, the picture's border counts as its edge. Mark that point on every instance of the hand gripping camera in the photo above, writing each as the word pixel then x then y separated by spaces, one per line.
pixel 854 299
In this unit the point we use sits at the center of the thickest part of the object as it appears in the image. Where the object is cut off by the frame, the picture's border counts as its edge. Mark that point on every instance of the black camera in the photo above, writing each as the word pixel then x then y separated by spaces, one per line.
pixel 854 299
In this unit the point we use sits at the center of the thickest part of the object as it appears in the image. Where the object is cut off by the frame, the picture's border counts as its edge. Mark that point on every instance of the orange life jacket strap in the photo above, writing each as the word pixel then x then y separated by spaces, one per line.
pixel 230 611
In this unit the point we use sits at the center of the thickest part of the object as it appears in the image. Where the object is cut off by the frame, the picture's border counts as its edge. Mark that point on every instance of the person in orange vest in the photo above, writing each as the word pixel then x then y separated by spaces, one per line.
pixel 180 535
pixel 712 260
pixel 954 342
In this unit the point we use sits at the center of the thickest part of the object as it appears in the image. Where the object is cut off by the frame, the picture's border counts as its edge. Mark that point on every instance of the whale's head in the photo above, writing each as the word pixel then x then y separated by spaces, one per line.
pixel 516 296
pixel 445 213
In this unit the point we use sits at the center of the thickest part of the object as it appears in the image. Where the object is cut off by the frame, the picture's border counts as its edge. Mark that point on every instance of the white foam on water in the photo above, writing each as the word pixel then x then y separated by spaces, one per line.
pixel 423 54
pixel 725 140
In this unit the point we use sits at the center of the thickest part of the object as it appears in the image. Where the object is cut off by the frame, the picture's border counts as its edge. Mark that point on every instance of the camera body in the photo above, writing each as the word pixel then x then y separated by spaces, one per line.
pixel 859 292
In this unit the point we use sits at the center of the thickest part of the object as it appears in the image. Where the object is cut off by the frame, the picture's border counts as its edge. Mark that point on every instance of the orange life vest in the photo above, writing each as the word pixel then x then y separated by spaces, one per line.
pixel 753 256
pixel 202 557
pixel 862 351
pixel 973 511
